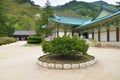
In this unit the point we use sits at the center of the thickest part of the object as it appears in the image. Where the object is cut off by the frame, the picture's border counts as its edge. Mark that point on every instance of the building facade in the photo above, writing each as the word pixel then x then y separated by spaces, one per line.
pixel 22 35
pixel 104 27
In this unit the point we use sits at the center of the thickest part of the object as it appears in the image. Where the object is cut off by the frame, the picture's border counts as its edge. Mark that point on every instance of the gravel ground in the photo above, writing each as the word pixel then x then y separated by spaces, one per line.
pixel 18 62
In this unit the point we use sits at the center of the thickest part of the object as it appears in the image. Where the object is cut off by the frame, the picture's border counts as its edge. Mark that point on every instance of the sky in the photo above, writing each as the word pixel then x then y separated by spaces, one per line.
pixel 61 2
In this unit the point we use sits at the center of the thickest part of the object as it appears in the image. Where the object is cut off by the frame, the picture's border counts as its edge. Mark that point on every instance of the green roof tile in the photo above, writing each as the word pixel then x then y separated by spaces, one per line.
pixel 68 20
pixel 80 22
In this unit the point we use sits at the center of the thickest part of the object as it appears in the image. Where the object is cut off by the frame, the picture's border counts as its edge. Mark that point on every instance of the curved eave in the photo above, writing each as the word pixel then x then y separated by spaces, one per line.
pixel 68 20
pixel 63 22
pixel 44 26
pixel 98 20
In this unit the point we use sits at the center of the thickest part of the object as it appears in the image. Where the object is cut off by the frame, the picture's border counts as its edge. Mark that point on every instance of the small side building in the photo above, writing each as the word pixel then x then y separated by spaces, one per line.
pixel 22 35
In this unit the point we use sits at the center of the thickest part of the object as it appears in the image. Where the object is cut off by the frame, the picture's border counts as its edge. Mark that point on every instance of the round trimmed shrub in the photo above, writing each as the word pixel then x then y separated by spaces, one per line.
pixel 65 46
pixel 34 40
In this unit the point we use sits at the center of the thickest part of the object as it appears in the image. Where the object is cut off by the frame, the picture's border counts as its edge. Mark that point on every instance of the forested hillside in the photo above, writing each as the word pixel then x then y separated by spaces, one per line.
pixel 25 15
pixel 22 14
pixel 18 15
pixel 80 8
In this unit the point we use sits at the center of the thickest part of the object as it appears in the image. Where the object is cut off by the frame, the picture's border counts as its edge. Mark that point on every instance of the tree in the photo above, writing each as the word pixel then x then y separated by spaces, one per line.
pixel 47 12
pixel 118 4
pixel 24 1
pixel 2 18
pixel 65 46
pixel 2 12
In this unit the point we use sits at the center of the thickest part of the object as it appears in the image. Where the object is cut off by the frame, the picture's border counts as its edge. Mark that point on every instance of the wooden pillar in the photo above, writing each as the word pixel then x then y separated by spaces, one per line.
pixel 57 32
pixel 108 35
pixel 117 34
pixel 79 34
pixel 72 33
pixel 99 35
pixel 65 32
pixel 93 35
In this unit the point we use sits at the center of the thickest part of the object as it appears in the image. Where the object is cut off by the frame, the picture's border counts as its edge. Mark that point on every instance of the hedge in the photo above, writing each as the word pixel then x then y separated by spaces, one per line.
pixel 34 40
pixel 6 40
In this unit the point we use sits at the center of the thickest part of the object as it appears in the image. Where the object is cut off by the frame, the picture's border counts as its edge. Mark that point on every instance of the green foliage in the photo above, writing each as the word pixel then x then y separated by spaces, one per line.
pixel 3 18
pixel 6 40
pixel 22 16
pixel 24 1
pixel 65 46
pixel 2 12
pixel 81 8
pixel 47 12
pixel 17 16
pixel 34 40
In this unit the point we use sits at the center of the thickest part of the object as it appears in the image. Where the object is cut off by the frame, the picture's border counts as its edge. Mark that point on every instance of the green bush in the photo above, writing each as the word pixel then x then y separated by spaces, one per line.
pixel 6 40
pixel 34 40
pixel 65 46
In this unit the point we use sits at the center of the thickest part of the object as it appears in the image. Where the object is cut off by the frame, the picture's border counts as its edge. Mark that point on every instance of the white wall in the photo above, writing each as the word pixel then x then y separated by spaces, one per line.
pixel 113 36
pixel 90 35
pixel 103 34
pixel 61 34
pixel 112 33
pixel 103 13
pixel 69 33
pixel 96 34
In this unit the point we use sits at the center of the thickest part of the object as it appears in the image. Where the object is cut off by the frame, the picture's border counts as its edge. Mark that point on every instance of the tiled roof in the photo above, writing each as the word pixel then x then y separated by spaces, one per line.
pixel 81 22
pixel 24 33
pixel 68 20
pixel 98 19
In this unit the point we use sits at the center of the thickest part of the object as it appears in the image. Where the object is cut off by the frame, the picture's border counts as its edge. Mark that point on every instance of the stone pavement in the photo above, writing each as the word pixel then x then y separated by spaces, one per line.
pixel 18 62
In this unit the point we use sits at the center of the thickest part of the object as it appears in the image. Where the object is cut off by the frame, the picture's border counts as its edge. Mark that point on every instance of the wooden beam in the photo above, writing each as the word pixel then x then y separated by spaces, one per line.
pixel 117 34
pixel 93 35
pixel 79 34
pixel 57 32
pixel 72 33
pixel 108 34
pixel 99 35
pixel 65 32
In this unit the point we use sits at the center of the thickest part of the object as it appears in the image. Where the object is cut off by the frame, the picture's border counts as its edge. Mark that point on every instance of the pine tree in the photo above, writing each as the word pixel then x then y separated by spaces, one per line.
pixel 2 12
pixel 2 18
pixel 5 29
pixel 47 12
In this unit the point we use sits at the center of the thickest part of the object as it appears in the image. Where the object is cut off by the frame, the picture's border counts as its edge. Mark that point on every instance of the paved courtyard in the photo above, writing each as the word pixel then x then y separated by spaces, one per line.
pixel 18 62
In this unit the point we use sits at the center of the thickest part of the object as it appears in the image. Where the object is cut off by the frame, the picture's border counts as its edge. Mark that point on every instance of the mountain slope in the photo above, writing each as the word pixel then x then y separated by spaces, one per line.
pixel 83 9
pixel 102 3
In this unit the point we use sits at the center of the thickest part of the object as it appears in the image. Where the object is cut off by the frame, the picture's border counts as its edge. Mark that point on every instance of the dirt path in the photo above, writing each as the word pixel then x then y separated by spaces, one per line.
pixel 19 63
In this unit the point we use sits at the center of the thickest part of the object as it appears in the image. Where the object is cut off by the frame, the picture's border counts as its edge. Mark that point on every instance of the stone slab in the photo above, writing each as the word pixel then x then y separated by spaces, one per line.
pixel 51 65
pixel 67 66
pixel 74 66
pixel 59 66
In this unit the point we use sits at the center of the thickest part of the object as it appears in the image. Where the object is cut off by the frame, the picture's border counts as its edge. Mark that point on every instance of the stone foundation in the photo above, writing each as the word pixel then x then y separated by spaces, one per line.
pixel 66 66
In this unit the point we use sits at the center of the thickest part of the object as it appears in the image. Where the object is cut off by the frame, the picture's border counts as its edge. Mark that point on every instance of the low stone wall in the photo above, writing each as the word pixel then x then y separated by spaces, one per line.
pixel 65 66
pixel 93 43
pixel 109 44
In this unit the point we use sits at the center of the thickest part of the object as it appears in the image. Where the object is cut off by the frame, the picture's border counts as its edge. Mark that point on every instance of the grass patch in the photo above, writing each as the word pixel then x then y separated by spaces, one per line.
pixel 57 59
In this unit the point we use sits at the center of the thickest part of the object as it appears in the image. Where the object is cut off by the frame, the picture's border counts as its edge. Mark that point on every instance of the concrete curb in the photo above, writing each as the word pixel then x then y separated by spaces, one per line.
pixel 66 66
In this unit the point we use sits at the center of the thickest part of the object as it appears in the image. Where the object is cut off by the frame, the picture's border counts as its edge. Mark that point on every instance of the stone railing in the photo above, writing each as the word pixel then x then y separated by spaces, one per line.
pixel 66 66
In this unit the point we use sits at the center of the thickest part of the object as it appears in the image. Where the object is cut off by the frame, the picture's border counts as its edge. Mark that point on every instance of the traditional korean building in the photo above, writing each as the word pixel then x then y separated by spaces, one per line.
pixel 22 35
pixel 104 27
